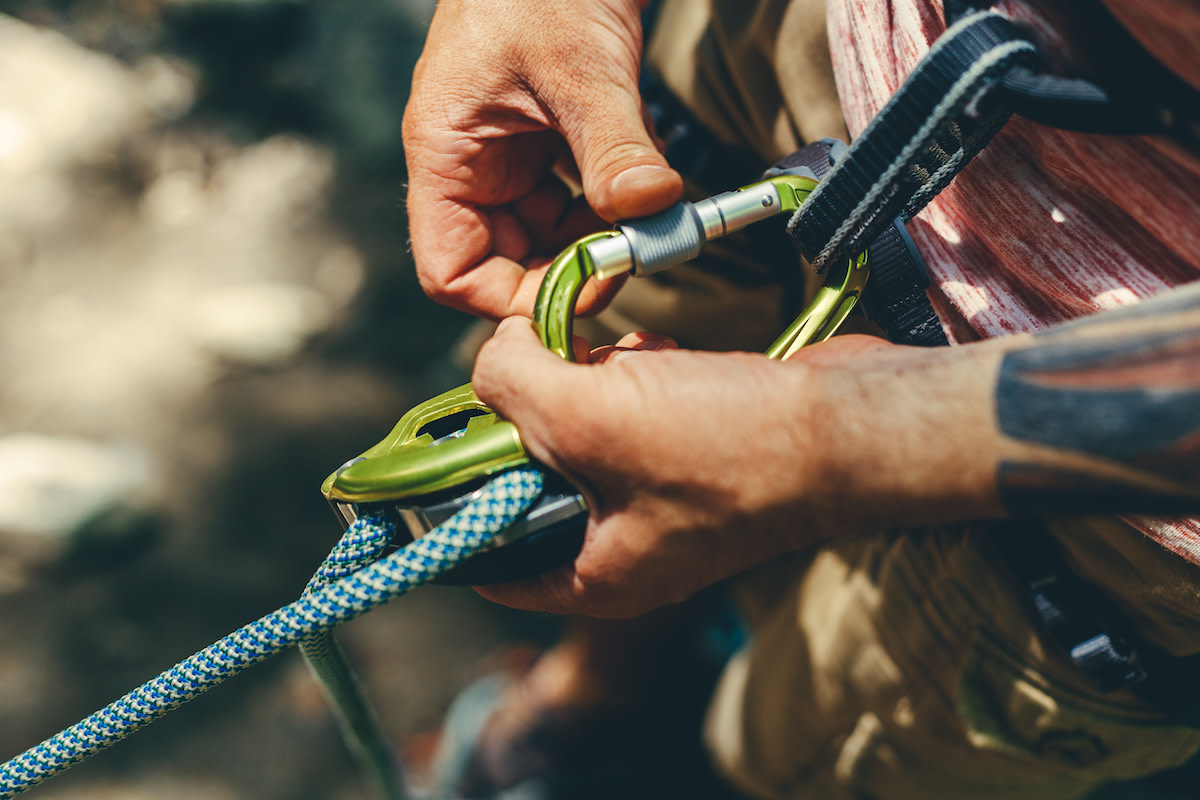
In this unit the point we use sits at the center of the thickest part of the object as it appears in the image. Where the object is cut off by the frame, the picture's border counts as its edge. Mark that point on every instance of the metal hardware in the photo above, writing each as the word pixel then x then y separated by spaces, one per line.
pixel 648 245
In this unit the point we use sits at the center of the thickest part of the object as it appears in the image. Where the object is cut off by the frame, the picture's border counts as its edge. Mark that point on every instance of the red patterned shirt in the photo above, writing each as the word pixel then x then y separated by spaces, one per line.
pixel 1045 225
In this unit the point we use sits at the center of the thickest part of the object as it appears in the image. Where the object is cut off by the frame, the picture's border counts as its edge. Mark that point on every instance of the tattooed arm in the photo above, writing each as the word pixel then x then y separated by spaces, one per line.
pixel 1099 415
pixel 698 465
pixel 1114 403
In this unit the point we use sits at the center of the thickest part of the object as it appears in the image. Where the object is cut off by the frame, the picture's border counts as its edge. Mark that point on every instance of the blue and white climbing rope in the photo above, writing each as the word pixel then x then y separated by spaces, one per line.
pixel 359 547
pixel 504 499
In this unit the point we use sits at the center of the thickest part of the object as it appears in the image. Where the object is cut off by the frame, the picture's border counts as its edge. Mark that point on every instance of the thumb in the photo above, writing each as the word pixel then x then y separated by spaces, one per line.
pixel 624 175
pixel 527 384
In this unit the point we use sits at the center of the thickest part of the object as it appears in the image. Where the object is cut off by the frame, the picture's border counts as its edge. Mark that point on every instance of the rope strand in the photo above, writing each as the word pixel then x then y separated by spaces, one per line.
pixel 499 503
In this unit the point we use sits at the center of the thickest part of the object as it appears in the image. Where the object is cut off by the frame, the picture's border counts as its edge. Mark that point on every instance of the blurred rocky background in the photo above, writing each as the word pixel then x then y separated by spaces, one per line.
pixel 206 305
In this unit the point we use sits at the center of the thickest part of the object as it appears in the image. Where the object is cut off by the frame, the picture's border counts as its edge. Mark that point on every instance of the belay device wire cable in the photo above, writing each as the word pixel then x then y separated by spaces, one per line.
pixel 453 483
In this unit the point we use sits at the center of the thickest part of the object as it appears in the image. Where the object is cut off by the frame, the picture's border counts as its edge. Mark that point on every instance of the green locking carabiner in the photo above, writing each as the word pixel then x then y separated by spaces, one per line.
pixel 687 226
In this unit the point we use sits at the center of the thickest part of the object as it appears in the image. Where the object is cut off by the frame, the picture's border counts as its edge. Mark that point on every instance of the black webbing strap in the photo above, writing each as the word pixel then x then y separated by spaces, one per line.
pixel 1092 633
pixel 934 124
pixel 925 134
pixel 895 296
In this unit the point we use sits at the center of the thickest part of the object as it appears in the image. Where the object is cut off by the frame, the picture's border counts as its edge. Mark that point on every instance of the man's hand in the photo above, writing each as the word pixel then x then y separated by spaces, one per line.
pixel 698 465
pixel 695 465
pixel 507 96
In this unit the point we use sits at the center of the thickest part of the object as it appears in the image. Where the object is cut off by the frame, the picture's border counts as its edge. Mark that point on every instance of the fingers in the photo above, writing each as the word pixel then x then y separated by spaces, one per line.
pixel 467 243
pixel 550 592
pixel 578 420
pixel 554 217
pixel 562 591
pixel 626 192
pixel 643 340
pixel 482 258
pixel 624 175
pixel 630 343
pixel 502 95
pixel 580 349
pixel 526 383
pixel 534 388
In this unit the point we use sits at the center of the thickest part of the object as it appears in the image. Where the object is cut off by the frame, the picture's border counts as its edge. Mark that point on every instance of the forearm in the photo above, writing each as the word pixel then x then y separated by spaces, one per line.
pixel 697 466
pixel 1101 415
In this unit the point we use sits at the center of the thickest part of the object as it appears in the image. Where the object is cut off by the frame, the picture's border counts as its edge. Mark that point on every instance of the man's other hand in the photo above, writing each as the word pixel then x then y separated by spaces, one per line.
pixel 509 97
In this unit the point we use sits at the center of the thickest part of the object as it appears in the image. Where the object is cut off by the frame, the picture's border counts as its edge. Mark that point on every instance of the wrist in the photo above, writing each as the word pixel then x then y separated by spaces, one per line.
pixel 907 437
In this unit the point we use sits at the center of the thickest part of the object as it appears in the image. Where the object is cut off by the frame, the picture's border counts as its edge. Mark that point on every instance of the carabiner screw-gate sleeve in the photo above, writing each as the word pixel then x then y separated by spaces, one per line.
pixel 678 234
pixel 650 244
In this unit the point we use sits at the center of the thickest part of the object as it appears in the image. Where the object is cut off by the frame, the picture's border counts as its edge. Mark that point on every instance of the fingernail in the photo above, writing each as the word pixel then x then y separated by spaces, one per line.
pixel 654 341
pixel 641 177
pixel 644 189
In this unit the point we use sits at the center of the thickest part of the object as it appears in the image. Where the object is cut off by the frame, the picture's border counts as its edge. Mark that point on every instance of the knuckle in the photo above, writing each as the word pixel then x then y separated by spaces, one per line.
pixel 435 285
pixel 597 594
pixel 411 123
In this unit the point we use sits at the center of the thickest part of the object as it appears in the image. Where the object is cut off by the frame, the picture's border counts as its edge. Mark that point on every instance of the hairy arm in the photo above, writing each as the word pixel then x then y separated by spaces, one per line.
pixel 699 465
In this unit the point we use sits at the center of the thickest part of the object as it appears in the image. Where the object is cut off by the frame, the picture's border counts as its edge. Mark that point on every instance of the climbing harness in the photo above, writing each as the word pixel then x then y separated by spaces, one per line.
pixel 453 488
pixel 980 72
